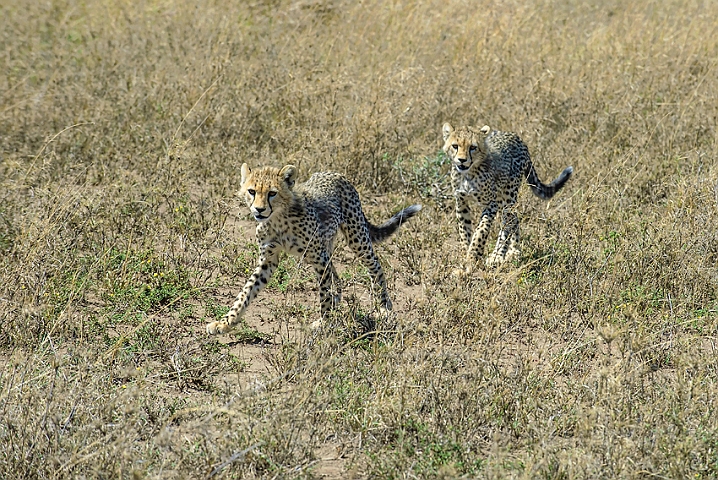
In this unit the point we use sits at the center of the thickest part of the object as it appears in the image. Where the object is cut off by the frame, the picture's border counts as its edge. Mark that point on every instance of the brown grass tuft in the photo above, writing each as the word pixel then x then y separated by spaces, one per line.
pixel 122 129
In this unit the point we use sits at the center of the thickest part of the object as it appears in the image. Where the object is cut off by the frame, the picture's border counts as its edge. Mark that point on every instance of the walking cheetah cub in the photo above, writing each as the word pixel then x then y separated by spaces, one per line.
pixel 488 169
pixel 303 220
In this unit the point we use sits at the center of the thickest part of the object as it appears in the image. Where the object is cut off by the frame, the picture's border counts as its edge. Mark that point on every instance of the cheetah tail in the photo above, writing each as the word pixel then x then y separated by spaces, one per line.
pixel 382 232
pixel 543 191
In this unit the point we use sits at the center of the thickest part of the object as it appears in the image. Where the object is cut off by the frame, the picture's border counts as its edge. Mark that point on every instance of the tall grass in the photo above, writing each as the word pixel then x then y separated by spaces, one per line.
pixel 122 129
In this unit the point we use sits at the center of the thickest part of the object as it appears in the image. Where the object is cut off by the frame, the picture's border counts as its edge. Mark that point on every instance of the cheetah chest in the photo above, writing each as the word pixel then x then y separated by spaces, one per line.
pixel 488 184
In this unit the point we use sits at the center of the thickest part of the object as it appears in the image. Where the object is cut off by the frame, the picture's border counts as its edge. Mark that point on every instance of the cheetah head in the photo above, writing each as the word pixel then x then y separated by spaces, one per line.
pixel 267 190
pixel 464 145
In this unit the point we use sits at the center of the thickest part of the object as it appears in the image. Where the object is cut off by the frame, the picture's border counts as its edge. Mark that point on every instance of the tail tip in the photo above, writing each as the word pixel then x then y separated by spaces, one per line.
pixel 409 212
pixel 568 170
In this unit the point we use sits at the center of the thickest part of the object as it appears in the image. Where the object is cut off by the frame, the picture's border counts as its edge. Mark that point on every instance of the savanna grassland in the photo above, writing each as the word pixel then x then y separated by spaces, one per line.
pixel 123 126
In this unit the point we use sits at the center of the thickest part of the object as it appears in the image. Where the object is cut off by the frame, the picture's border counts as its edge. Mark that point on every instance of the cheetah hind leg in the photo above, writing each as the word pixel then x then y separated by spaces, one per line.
pixel 330 291
pixel 360 242
pixel 371 262
pixel 336 288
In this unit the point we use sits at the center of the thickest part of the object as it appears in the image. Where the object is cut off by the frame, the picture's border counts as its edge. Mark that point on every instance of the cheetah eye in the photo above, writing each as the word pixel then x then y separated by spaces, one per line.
pixel 272 194
pixel 455 146
pixel 251 192
pixel 473 148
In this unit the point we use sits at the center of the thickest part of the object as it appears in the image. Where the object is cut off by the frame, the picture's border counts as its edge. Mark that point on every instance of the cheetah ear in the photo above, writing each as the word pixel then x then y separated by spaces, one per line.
pixel 485 129
pixel 446 130
pixel 289 174
pixel 245 172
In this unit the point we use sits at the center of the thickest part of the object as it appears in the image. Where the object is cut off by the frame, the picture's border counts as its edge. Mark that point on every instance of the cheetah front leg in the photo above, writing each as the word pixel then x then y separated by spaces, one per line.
pixel 463 215
pixel 268 261
pixel 507 245
pixel 481 234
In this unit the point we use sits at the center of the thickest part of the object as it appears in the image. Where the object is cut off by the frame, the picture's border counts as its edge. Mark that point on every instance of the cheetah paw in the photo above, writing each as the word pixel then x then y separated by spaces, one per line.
pixel 218 328
pixel 513 255
pixel 494 261
pixel 463 273
pixel 459 273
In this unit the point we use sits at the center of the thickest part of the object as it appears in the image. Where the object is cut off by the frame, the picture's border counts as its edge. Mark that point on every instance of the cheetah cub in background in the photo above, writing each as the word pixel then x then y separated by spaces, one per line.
pixel 303 220
pixel 488 167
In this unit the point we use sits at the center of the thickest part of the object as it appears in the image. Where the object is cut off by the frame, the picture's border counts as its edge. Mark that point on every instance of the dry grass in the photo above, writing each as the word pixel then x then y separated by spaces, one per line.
pixel 122 129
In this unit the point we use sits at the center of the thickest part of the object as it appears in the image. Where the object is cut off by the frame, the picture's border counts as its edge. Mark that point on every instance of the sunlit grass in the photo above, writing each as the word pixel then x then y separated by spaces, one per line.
pixel 122 129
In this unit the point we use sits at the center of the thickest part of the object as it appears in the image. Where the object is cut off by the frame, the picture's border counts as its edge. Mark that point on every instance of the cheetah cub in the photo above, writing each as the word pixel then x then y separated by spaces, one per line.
pixel 303 220
pixel 488 167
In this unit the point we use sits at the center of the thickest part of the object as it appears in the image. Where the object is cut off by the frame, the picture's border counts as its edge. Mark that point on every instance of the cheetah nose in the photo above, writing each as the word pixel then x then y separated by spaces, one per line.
pixel 461 160
pixel 260 209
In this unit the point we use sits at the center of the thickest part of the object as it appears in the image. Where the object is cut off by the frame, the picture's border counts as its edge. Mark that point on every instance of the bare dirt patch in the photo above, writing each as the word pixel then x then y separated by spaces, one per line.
pixel 122 130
